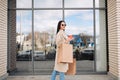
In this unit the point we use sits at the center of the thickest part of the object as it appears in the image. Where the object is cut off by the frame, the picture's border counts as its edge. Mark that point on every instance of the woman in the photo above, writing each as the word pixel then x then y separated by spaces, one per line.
pixel 61 37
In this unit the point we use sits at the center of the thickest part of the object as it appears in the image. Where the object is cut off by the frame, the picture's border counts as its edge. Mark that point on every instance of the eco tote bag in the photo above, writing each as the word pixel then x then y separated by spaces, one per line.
pixel 65 53
pixel 71 68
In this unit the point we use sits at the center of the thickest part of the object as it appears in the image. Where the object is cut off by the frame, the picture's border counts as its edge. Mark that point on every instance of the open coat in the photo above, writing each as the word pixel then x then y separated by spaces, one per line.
pixel 60 38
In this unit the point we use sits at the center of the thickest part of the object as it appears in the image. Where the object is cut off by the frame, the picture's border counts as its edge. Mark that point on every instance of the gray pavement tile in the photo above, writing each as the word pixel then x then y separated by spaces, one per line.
pixel 67 77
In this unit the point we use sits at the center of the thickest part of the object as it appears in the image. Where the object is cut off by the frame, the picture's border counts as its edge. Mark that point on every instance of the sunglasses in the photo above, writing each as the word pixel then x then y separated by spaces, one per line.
pixel 63 24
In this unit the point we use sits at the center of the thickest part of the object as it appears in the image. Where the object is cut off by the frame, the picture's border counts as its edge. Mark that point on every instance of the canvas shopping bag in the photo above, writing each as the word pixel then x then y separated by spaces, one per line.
pixel 65 53
pixel 71 68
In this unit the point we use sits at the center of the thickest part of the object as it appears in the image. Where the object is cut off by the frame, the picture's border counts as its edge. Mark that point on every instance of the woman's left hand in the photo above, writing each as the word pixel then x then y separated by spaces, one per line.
pixel 68 40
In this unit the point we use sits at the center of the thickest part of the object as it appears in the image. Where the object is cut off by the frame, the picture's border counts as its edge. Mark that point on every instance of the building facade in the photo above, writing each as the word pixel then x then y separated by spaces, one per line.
pixel 106 62
pixel 3 39
pixel 113 37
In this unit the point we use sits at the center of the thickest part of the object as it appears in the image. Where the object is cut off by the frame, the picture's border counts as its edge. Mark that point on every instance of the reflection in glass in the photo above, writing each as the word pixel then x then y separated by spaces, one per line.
pixel 100 3
pixel 24 3
pixel 48 4
pixel 78 3
pixel 23 29
pixel 45 27
pixel 45 31
pixel 80 25
pixel 24 40
pixel 100 40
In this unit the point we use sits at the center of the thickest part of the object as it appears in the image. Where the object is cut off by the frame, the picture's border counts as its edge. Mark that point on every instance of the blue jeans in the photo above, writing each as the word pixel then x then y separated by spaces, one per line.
pixel 54 73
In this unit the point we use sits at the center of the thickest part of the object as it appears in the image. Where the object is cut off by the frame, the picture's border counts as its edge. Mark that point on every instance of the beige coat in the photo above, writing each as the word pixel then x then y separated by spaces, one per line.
pixel 60 38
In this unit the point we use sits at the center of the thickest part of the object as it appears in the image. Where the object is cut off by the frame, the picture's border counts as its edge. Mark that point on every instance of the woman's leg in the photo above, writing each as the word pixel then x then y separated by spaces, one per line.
pixel 54 73
pixel 62 76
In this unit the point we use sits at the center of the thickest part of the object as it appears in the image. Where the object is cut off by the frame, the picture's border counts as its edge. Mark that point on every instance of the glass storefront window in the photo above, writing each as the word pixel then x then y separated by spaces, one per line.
pixel 24 40
pixel 23 3
pixel 48 4
pixel 45 26
pixel 78 3
pixel 80 26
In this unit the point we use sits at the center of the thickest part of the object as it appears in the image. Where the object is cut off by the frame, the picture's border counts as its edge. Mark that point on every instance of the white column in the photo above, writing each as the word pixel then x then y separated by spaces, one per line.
pixel 101 60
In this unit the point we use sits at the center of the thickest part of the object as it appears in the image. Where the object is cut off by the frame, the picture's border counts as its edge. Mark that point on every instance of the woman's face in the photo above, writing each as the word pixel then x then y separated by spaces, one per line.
pixel 62 26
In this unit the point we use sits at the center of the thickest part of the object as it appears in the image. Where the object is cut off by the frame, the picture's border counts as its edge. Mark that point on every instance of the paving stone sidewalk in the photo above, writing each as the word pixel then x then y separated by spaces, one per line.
pixel 67 77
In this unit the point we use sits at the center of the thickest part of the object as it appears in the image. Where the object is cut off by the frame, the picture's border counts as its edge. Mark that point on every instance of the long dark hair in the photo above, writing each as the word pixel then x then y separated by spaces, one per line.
pixel 58 26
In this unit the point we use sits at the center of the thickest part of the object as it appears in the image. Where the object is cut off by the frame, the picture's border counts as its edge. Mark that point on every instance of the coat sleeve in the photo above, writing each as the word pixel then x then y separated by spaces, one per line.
pixel 58 40
pixel 64 35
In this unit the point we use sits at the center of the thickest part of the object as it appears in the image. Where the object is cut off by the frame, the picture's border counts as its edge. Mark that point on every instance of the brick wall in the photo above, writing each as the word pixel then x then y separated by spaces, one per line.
pixel 118 34
pixel 3 37
pixel 114 36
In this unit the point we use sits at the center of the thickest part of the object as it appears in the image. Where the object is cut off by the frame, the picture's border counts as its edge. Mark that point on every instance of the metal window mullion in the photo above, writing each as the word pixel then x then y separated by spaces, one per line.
pixel 63 10
pixel 94 25
pixel 32 37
